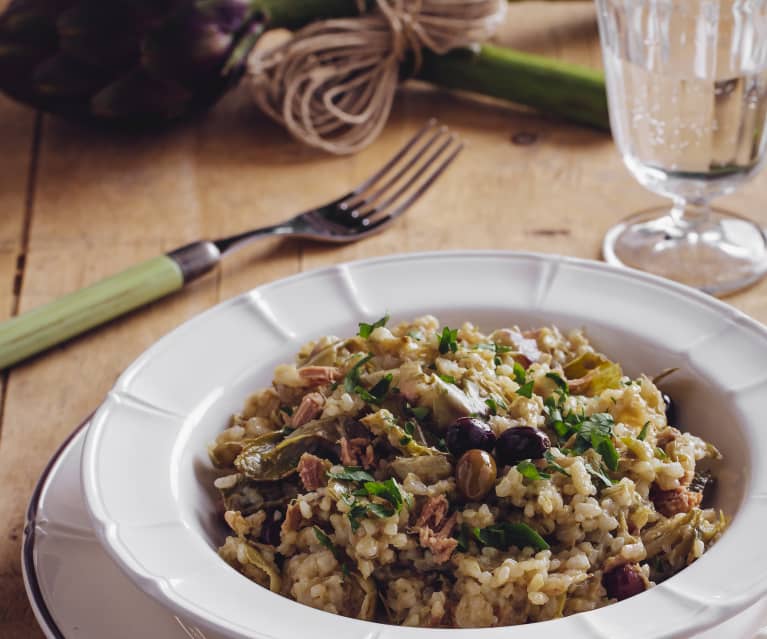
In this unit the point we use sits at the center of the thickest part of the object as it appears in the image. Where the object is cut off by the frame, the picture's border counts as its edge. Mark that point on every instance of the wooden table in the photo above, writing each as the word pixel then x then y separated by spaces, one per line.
pixel 78 204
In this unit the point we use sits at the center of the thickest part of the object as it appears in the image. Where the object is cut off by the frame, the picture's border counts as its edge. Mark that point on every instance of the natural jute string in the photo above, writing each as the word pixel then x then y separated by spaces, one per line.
pixel 332 84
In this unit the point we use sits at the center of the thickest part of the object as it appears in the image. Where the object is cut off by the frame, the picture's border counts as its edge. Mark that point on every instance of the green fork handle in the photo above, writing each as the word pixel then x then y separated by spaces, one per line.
pixel 51 324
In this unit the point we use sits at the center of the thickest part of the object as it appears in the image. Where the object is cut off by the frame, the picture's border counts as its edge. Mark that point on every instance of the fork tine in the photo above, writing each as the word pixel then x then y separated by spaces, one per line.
pixel 356 201
pixel 424 186
pixel 394 159
pixel 411 180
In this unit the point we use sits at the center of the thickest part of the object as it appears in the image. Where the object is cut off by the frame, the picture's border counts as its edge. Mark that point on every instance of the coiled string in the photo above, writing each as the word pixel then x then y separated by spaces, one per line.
pixel 333 83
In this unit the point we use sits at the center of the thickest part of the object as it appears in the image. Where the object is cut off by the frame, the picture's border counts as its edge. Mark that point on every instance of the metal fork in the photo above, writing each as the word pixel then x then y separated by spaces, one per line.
pixel 365 210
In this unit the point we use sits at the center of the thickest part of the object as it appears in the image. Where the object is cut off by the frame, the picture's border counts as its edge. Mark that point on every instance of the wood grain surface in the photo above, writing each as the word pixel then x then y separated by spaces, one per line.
pixel 77 204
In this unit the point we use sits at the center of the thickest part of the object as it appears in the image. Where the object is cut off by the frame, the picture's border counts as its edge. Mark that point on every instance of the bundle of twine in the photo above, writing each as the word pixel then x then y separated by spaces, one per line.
pixel 333 83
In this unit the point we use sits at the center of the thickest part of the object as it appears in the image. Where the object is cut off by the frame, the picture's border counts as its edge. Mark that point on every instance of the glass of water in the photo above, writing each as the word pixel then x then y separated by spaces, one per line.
pixel 687 89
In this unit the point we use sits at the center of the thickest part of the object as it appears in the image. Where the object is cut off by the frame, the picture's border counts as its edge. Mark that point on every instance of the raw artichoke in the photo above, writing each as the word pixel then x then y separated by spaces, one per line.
pixel 139 60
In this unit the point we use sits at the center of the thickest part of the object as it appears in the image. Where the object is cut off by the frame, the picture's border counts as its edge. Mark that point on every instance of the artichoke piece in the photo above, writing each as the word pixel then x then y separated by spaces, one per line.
pixel 247 496
pixel 670 543
pixel 256 559
pixel 428 468
pixel 367 607
pixel 224 454
pixel 270 458
pixel 384 424
pixel 449 402
pixel 591 373
pixel 325 356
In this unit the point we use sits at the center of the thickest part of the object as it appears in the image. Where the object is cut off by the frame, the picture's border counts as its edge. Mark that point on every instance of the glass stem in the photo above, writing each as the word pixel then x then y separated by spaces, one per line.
pixel 688 215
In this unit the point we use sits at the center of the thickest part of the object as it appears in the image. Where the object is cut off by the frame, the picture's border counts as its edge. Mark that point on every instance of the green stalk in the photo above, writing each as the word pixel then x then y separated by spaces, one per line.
pixel 559 88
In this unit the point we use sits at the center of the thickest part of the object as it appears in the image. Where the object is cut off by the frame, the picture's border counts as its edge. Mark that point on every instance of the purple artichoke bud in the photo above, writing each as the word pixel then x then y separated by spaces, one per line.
pixel 140 95
pixel 64 77
pixel 194 44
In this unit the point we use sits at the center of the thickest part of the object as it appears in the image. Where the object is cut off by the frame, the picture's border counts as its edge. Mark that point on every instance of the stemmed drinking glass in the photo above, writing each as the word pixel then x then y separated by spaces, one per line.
pixel 687 90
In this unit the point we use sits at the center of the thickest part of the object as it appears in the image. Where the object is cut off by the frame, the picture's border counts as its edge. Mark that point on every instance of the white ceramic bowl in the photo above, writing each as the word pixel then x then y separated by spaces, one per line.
pixel 147 479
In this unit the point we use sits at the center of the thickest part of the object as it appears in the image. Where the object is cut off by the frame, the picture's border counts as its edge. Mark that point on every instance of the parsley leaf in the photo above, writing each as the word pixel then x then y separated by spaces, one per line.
pixel 643 433
pixel 325 541
pixel 598 474
pixel 660 453
pixel 448 379
pixel 507 534
pixel 367 329
pixel 352 378
pixel 493 404
pixel 448 341
pixel 381 389
pixel 552 464
pixel 352 473
pixel 381 510
pixel 520 374
pixel 357 512
pixel 528 470
pixel 526 390
pixel 561 383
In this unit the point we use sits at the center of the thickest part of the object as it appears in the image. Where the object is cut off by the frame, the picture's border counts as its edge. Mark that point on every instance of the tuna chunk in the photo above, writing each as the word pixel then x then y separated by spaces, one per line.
pixel 675 501
pixel 312 471
pixel 319 375
pixel 309 408
pixel 357 451
pixel 434 529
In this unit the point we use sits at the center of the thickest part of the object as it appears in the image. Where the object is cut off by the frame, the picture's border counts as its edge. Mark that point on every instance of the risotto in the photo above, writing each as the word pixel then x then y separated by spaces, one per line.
pixel 430 476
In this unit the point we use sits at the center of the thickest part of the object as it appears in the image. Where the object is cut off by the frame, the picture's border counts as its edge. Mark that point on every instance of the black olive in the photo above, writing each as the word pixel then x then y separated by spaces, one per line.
pixel 271 528
pixel 670 409
pixel 624 581
pixel 521 442
pixel 467 433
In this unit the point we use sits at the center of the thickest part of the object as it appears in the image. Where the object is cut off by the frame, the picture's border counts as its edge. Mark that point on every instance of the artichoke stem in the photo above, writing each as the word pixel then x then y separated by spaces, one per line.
pixel 557 88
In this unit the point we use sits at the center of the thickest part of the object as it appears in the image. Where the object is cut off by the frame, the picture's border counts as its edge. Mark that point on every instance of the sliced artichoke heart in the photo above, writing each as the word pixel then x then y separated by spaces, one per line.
pixel 591 373
pixel 384 424
pixel 449 402
pixel 255 557
pixel 269 459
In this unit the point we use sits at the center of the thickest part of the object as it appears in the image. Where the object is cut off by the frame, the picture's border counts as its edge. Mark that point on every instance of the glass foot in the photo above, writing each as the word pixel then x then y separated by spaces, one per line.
pixel 718 254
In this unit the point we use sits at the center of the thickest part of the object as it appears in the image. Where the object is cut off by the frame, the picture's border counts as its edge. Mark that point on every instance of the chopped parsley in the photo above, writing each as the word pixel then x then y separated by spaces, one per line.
pixel 367 329
pixel 660 453
pixel 448 341
pixel 599 473
pixel 389 491
pixel 520 376
pixel 643 433
pixel 375 395
pixel 526 390
pixel 552 465
pixel 594 431
pixel 506 534
pixel 325 541
pixel 352 378
pixel 448 379
pixel 352 473
pixel 530 471
pixel 494 403
pixel 497 349
pixel 561 383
